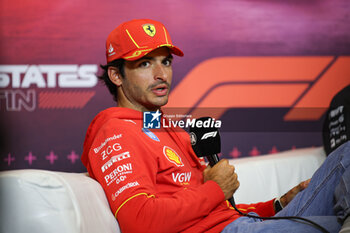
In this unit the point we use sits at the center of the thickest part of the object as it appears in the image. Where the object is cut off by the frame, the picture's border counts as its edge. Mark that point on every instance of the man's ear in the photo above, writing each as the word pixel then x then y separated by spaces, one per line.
pixel 115 76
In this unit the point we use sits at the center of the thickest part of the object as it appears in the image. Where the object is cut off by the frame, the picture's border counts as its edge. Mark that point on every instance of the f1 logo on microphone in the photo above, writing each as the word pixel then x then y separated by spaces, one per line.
pixel 210 134
pixel 151 120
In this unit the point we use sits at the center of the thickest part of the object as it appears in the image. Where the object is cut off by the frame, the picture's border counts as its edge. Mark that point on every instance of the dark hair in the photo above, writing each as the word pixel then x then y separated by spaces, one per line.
pixel 119 64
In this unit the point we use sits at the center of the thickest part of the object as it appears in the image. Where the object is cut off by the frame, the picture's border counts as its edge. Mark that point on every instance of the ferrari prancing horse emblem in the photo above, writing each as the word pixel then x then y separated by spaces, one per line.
pixel 150 29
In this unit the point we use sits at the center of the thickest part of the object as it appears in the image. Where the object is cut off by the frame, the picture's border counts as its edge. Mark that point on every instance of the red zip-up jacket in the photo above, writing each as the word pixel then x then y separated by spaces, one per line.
pixel 153 180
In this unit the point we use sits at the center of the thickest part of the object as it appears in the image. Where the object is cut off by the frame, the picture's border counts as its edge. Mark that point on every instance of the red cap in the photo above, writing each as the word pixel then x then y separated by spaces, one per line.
pixel 134 39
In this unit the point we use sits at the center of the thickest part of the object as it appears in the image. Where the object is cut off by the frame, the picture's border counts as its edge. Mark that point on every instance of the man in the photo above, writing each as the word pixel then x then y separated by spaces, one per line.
pixel 153 180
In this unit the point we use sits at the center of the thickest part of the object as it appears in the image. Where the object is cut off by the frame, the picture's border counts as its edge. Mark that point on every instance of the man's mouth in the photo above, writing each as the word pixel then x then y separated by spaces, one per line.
pixel 160 90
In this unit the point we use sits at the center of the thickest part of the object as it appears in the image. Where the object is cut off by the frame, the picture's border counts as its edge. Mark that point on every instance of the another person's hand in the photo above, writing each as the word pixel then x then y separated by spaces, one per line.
pixel 288 197
pixel 224 175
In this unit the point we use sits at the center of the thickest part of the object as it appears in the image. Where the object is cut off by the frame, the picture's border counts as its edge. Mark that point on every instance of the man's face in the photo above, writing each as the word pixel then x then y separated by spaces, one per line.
pixel 146 84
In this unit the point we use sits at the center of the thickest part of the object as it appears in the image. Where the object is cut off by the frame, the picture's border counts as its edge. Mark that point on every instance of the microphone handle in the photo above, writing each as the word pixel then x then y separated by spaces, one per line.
pixel 214 159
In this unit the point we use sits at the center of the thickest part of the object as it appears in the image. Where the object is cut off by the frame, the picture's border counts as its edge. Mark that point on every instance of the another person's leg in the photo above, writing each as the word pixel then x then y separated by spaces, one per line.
pixel 250 225
pixel 318 198
pixel 316 202
pixel 342 201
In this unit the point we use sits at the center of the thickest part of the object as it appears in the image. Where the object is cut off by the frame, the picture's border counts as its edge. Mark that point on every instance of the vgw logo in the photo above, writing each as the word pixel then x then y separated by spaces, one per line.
pixel 151 120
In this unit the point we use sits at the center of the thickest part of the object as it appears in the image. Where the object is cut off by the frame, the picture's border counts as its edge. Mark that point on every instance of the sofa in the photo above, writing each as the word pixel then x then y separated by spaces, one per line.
pixel 41 201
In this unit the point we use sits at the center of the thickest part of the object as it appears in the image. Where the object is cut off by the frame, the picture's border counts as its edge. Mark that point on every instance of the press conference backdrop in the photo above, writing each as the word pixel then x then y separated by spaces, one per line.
pixel 268 69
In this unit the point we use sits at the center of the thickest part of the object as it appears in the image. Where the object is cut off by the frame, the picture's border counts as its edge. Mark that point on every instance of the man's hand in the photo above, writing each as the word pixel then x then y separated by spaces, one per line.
pixel 224 175
pixel 286 198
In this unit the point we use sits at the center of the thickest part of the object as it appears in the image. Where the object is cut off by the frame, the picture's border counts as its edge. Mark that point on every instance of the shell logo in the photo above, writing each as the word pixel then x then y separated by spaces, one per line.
pixel 172 156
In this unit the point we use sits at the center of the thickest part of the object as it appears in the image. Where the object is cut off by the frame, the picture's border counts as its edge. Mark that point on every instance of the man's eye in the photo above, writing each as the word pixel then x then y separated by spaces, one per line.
pixel 167 62
pixel 144 64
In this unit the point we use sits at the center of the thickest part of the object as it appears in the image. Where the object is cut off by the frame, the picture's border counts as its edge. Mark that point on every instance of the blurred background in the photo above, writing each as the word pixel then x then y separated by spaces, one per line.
pixel 268 69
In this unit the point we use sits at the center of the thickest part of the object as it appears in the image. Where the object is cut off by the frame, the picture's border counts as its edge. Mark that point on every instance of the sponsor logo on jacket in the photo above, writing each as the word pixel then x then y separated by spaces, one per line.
pixel 127 186
pixel 182 178
pixel 172 156
pixel 114 137
pixel 114 148
pixel 150 134
pixel 114 159
pixel 118 174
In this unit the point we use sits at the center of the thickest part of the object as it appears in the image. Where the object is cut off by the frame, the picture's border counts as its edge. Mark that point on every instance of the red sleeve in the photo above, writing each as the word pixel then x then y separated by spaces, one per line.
pixel 263 209
pixel 126 169
pixel 173 214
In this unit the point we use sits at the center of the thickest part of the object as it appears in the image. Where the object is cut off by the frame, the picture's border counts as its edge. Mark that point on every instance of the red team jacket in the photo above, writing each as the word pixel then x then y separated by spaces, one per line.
pixel 153 180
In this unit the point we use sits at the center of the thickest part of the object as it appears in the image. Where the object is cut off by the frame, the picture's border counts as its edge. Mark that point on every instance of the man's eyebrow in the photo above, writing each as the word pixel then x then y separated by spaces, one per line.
pixel 152 58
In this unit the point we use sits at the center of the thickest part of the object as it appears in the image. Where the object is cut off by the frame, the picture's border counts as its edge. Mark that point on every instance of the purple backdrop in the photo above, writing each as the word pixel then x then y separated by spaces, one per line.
pixel 50 53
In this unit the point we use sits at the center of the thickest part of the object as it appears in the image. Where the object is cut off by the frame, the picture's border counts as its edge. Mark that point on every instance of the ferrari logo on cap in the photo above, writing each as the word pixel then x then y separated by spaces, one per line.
pixel 172 156
pixel 150 29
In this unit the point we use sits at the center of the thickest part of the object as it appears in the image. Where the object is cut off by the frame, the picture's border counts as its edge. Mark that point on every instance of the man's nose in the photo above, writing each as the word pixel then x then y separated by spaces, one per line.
pixel 160 73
